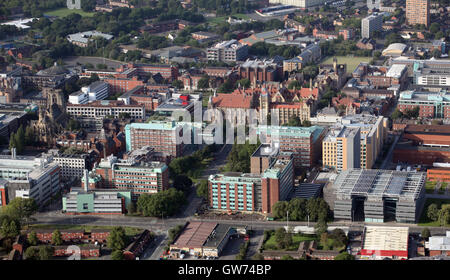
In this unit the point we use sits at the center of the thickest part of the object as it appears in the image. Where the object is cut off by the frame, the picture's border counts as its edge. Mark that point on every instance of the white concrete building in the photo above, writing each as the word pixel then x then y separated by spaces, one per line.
pixel 72 166
pixel 372 23
pixel 30 177
pixel 96 91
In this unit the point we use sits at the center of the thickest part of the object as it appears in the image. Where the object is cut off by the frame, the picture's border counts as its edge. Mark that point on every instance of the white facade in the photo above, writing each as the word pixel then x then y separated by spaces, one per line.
pixel 30 177
pixel 228 51
pixel 372 23
pixel 299 3
pixel 104 109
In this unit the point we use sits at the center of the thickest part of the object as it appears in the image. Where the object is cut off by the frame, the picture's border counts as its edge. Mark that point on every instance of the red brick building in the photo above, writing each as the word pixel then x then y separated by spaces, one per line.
pixel 86 251
pixel 167 71
pixel 123 85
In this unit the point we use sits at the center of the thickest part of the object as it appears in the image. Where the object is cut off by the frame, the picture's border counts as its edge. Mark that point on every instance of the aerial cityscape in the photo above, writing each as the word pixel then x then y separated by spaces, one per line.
pixel 193 130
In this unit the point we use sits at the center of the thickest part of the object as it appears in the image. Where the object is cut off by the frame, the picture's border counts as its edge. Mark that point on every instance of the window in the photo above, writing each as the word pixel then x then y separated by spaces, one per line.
pixel 85 206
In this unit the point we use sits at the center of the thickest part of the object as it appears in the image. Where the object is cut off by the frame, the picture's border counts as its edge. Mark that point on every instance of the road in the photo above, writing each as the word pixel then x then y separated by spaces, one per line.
pixel 388 158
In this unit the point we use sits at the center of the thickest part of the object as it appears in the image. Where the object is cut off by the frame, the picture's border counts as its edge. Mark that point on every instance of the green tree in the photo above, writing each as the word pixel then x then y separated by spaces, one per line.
pixel 182 183
pixel 294 121
pixel 32 238
pixel 116 239
pixel 444 215
pixel 203 189
pixel 245 83
pixel 433 212
pixel 178 84
pixel 57 238
pixel 280 209
pixel 287 258
pixel 344 256
pixel 426 233
pixel 203 83
pixel 294 85
pixel 320 227
pixel 30 138
pixel 397 114
pixel 117 255
pixel 31 253
pixel 45 252
pixel 20 208
pixel 131 208
pixel 280 238
pixel 258 257
pixel 9 228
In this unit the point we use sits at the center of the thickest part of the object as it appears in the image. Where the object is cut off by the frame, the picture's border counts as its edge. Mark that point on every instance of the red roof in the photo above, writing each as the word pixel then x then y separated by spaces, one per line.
pixel 384 253
pixel 237 99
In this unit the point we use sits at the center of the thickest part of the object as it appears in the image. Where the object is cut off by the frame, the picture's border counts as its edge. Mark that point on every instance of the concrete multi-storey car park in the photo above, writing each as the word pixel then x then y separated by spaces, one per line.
pixel 379 195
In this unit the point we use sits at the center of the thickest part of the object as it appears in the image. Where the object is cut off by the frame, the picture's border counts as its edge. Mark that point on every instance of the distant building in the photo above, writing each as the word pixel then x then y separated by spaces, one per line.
pixel 430 104
pixel 260 71
pixel 299 3
pixel 395 49
pixel 71 166
pixel 82 39
pixel 161 136
pixel 418 12
pixel 370 24
pixel 228 51
pixel 104 108
pixel 96 91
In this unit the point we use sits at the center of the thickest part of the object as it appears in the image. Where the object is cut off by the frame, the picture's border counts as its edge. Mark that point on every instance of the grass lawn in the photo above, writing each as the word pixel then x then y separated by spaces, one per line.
pixel 271 244
pixel 63 12
pixel 429 187
pixel 351 62
pixel 129 231
pixel 424 221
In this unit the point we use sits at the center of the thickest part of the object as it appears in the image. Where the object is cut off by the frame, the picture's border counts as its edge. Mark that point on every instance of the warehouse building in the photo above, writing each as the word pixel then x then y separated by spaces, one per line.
pixel 379 195
pixel 385 242
pixel 201 239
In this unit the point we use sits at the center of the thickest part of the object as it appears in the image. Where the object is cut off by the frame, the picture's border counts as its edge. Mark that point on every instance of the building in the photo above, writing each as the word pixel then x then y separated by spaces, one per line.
pixel 96 91
pixel 202 36
pixel 395 49
pixel 379 195
pixel 201 239
pixel 228 51
pixel 423 144
pixel 96 202
pixel 439 245
pixel 385 242
pixel 370 24
pixel 355 142
pixel 105 108
pixel 433 77
pixel 82 39
pixel 305 4
pixel 166 71
pixel 303 142
pixel 334 75
pixel 374 4
pixel 271 180
pixel 163 137
pixel 29 177
pixel 122 85
pixel 178 103
pixel 431 104
pixel 418 12
pixel 415 64
pixel 138 246
pixel 133 174
pixel 71 235
pixel 260 71
pixel 71 165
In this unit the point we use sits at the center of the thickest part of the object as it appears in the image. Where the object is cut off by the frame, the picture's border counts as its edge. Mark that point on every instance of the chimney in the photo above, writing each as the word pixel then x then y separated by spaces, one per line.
pixel 86 180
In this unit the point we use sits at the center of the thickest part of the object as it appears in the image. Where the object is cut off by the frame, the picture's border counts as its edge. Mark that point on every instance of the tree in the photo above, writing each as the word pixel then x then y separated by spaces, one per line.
pixel 131 208
pixel 397 114
pixel 178 84
pixel 20 208
pixel 280 209
pixel 45 252
pixel 165 203
pixel 31 253
pixel 344 256
pixel 320 227
pixel 203 189
pixel 444 215
pixel 182 183
pixel 426 233
pixel 245 83
pixel 9 228
pixel 295 85
pixel 433 212
pixel 203 83
pixel 117 255
pixel 116 239
pixel 30 138
pixel 287 258
pixel 258 257
pixel 294 121
pixel 32 238
pixel 57 238
pixel 280 238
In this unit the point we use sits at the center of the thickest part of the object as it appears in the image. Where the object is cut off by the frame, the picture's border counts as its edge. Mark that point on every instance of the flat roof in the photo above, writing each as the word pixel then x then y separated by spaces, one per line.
pixel 385 238
pixel 195 234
